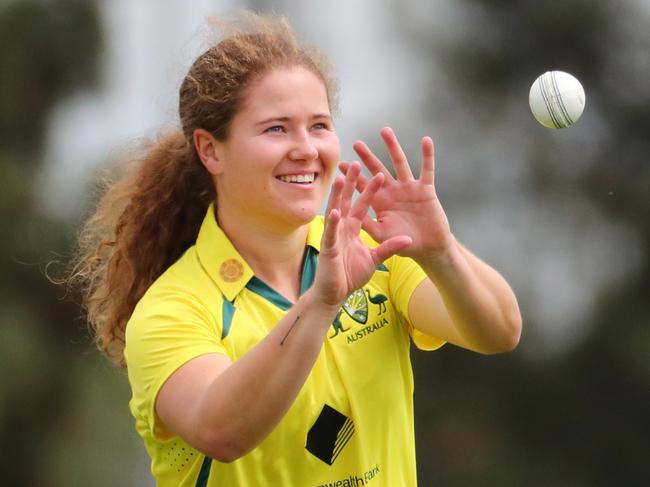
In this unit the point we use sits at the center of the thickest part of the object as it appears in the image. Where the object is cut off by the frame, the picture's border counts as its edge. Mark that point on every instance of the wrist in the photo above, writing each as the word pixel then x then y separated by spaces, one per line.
pixel 318 306
pixel 441 259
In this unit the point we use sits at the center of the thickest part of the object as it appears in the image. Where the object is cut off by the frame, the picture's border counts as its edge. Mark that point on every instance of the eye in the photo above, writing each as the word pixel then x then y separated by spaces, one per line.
pixel 275 129
pixel 320 126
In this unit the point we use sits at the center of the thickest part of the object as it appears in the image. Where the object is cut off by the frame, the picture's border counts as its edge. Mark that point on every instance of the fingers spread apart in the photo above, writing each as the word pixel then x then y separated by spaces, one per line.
pixel 398 157
pixel 427 172
pixel 390 247
pixel 400 162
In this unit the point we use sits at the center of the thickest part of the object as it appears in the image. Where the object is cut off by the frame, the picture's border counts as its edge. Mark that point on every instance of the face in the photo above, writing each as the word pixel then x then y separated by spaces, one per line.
pixel 276 165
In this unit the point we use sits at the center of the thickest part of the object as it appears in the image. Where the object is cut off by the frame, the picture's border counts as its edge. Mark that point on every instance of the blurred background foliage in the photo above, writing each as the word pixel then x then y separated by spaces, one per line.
pixel 564 214
pixel 63 414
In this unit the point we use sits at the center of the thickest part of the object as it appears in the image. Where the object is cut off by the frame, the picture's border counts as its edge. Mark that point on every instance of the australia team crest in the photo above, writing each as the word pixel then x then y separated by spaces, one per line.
pixel 356 307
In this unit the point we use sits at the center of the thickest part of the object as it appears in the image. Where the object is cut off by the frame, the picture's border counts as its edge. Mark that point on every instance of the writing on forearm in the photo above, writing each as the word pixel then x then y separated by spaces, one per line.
pixel 289 331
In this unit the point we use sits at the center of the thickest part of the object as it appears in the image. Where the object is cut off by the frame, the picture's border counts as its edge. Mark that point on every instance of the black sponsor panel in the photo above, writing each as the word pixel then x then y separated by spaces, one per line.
pixel 329 434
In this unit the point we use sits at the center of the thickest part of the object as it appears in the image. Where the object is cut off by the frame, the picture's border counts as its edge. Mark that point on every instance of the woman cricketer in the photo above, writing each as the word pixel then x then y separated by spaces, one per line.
pixel 267 345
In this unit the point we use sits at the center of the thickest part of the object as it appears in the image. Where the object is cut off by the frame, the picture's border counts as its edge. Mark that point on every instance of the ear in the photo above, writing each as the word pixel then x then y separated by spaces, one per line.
pixel 207 148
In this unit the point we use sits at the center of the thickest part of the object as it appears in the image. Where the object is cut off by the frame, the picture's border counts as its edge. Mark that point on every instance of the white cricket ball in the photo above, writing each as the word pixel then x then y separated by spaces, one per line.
pixel 556 99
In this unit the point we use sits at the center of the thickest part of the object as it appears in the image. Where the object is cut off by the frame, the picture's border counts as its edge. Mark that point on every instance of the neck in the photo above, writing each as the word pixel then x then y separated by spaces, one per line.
pixel 275 253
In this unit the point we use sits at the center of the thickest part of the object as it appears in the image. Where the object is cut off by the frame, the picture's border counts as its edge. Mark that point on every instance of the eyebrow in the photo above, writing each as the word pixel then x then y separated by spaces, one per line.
pixel 316 116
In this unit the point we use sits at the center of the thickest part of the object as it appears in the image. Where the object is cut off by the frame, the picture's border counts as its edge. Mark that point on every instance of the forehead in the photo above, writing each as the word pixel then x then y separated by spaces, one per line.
pixel 291 88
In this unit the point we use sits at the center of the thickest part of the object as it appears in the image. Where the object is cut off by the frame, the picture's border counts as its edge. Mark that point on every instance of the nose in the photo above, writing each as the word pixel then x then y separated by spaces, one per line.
pixel 303 147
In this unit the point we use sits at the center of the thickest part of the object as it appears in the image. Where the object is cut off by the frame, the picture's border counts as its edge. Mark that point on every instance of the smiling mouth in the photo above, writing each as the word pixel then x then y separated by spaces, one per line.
pixel 298 178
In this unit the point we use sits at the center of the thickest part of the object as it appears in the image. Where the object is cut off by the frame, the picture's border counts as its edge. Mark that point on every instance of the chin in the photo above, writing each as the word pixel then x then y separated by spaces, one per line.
pixel 301 215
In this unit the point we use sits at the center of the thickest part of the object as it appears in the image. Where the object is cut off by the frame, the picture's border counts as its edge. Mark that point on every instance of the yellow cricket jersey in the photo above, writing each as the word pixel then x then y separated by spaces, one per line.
pixel 352 422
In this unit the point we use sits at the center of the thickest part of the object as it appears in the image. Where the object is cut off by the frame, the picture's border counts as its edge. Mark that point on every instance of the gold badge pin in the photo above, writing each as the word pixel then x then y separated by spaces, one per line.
pixel 231 270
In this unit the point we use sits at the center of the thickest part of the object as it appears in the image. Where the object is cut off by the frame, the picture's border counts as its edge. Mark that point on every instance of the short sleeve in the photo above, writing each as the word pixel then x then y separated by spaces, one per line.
pixel 405 277
pixel 166 330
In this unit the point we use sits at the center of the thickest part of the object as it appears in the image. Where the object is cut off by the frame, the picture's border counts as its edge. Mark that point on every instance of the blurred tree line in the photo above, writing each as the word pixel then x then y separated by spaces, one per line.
pixel 58 402
pixel 574 419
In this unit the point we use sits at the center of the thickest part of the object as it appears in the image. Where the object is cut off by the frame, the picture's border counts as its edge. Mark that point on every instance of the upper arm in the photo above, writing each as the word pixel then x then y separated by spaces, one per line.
pixel 167 332
pixel 409 285
pixel 178 402
pixel 493 321
pixel 429 315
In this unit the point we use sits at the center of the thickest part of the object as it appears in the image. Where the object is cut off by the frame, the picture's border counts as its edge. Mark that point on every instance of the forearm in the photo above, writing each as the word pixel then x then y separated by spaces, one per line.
pixel 481 304
pixel 248 399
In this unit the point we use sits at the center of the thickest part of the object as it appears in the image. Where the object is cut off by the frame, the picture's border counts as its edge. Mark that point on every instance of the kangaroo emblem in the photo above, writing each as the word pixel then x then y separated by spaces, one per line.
pixel 337 325
pixel 378 299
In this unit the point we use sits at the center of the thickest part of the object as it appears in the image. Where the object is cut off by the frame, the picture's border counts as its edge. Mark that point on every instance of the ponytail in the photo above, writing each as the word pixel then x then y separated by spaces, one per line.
pixel 143 223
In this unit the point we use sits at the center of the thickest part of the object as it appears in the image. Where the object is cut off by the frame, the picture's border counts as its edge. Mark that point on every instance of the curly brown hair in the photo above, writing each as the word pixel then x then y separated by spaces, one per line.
pixel 151 214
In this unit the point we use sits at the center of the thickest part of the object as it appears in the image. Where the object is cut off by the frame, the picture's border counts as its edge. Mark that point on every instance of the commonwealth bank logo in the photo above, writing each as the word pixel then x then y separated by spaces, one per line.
pixel 329 434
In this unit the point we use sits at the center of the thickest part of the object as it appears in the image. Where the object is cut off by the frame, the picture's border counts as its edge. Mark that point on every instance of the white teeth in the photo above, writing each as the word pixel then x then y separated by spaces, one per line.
pixel 298 178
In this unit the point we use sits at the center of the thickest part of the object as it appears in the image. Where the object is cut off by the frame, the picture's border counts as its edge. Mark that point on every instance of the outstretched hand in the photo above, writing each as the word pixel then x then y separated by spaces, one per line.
pixel 404 205
pixel 345 263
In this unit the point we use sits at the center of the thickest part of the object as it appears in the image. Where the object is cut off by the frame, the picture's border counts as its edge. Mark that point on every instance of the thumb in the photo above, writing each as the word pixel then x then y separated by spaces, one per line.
pixel 390 247
pixel 373 228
